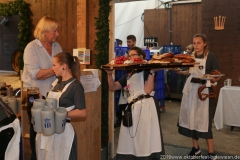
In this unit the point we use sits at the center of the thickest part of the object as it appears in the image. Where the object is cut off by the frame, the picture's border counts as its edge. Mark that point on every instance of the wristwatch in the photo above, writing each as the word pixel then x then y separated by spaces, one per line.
pixel 152 73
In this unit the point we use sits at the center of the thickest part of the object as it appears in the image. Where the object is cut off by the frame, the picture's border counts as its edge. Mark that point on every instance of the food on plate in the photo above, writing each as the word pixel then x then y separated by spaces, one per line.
pixel 163 56
pixel 120 60
pixel 215 72
pixel 184 58
pixel 188 60
pixel 204 96
pixel 125 60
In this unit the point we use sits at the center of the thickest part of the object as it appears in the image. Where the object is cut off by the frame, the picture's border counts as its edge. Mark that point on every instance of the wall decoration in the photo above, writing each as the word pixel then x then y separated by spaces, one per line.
pixel 219 22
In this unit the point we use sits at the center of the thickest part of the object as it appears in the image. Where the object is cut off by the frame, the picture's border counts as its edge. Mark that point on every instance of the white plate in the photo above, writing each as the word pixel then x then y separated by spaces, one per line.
pixel 216 75
pixel 206 77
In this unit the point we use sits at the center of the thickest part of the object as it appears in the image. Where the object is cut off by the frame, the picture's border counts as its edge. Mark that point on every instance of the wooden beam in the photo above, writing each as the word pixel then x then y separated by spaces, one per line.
pixel 111 109
pixel 82 25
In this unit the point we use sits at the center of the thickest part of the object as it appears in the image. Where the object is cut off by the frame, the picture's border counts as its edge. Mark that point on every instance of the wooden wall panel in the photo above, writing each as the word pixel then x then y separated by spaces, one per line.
pixel 156 24
pixel 89 131
pixel 186 22
pixel 224 43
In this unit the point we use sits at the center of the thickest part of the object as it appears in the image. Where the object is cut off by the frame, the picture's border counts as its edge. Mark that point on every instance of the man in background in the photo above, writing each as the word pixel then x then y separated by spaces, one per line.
pixel 131 41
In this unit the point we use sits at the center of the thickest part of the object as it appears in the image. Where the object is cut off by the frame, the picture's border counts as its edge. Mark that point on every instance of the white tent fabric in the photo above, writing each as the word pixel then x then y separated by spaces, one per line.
pixel 128 19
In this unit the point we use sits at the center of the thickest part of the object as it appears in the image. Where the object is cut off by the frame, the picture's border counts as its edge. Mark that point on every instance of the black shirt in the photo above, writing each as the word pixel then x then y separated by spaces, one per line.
pixel 73 95
pixel 211 63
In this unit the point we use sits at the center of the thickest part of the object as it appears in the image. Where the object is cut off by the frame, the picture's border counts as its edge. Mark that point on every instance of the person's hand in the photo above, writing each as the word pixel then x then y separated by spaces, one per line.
pixel 177 70
pixel 215 79
pixel 109 71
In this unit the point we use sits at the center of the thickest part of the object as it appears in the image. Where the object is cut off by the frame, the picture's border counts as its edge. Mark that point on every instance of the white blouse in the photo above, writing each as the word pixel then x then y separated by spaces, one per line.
pixel 35 58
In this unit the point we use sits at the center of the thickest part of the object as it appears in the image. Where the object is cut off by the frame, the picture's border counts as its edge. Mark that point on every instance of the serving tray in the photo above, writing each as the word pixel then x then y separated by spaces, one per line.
pixel 147 66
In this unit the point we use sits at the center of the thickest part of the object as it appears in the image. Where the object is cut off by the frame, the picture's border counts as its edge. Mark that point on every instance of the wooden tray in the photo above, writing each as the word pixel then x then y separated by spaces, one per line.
pixel 147 66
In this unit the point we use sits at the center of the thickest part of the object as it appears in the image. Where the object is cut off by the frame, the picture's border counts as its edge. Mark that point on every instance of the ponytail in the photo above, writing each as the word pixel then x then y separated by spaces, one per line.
pixel 71 61
pixel 76 68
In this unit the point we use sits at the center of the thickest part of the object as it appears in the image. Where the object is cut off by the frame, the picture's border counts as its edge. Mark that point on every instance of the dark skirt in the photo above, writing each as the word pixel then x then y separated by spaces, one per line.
pixel 153 156
pixel 73 152
pixel 196 134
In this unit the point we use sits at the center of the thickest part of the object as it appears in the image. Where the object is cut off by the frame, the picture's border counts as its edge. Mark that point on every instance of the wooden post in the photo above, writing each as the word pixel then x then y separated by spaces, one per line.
pixel 82 26
pixel 25 123
pixel 111 110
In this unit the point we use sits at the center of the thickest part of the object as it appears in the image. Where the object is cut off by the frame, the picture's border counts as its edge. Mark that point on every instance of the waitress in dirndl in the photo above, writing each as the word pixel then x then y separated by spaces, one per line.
pixel 143 139
pixel 69 92
pixel 195 119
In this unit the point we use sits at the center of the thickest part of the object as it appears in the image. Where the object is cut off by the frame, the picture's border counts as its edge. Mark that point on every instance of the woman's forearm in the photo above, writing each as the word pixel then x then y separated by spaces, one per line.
pixel 184 72
pixel 149 84
pixel 44 73
pixel 76 113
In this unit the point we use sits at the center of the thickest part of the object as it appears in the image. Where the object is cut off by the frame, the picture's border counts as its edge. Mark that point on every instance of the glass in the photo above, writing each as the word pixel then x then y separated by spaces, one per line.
pixel 32 93
pixel 132 55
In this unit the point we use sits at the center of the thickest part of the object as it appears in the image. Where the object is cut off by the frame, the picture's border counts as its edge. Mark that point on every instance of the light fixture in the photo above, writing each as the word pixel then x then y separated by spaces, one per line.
pixel 219 22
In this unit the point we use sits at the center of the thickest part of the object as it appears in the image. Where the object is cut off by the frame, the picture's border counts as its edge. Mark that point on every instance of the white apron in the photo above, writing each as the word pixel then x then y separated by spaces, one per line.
pixel 147 138
pixel 12 151
pixel 57 146
pixel 194 113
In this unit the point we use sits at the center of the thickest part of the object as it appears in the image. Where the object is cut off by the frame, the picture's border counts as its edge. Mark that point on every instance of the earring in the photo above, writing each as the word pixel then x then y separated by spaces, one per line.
pixel 63 68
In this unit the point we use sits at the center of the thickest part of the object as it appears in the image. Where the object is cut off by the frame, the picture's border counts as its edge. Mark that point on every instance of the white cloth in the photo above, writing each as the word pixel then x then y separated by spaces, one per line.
pixel 194 113
pixel 12 151
pixel 57 146
pixel 145 126
pixel 228 110
pixel 123 97
pixel 35 58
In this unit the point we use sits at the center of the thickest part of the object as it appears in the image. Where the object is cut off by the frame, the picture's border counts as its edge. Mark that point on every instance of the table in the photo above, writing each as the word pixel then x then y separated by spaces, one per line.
pixel 228 107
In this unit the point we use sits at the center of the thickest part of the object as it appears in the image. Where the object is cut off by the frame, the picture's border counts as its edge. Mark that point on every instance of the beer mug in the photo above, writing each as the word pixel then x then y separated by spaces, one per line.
pixel 32 94
pixel 60 119
pixel 228 83
pixel 48 121
pixel 37 118
pixel 52 103
pixel 39 102
pixel 12 103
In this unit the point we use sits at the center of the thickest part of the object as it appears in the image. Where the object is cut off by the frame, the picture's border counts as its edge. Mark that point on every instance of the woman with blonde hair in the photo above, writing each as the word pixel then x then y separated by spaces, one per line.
pixel 37 58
